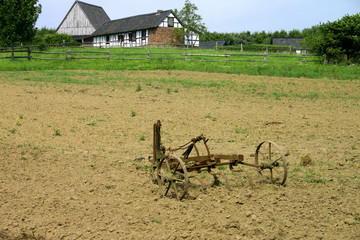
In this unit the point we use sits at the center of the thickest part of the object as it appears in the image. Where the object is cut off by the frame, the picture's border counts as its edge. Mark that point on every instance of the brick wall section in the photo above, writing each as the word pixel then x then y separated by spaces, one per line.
pixel 163 35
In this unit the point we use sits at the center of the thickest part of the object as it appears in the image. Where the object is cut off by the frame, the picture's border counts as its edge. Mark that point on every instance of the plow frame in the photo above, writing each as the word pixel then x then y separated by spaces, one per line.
pixel 171 172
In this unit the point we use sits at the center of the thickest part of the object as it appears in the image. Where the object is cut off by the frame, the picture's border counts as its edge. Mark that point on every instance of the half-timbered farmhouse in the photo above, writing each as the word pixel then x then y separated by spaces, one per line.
pixel 86 22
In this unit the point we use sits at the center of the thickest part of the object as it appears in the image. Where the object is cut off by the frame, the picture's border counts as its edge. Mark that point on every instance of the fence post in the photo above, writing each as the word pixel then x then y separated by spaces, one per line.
pixel 267 49
pixel 265 57
pixel 12 53
pixel 186 56
pixel 148 54
pixel 216 46
pixel 29 53
pixel 108 54
pixel 242 49
pixel 63 43
pixel 68 57
pixel 325 59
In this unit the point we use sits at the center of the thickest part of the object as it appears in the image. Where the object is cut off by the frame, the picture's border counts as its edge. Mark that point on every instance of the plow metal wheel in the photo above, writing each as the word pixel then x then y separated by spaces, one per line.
pixel 273 166
pixel 172 177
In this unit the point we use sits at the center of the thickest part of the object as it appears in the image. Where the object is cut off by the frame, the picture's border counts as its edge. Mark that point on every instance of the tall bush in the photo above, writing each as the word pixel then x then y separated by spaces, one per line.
pixel 248 37
pixel 57 38
pixel 339 41
pixel 17 21
pixel 45 36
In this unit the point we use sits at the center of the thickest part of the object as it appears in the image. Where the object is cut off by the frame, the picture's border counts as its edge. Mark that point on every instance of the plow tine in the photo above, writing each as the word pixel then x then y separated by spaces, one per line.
pixel 251 183
pixel 203 185
pixel 249 177
pixel 263 180
pixel 226 181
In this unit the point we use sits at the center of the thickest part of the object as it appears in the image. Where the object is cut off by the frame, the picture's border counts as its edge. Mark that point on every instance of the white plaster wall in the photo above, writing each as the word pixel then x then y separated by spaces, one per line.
pixel 100 41
pixel 192 40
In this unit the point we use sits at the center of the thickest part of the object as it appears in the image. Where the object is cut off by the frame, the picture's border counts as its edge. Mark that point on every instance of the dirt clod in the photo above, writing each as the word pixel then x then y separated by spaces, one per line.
pixel 306 160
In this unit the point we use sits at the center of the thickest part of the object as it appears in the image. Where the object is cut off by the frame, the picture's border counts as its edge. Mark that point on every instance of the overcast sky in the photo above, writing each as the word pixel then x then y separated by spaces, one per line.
pixel 220 16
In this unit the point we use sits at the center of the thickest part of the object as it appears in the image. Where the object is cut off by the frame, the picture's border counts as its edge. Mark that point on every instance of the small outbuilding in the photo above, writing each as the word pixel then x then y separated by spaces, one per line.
pixel 288 41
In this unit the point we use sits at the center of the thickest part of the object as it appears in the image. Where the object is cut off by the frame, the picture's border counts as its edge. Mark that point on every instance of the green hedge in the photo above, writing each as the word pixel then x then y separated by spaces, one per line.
pixel 258 48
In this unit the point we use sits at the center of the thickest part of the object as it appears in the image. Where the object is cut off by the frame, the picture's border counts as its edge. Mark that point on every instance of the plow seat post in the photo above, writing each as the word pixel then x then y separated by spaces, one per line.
pixel 157 153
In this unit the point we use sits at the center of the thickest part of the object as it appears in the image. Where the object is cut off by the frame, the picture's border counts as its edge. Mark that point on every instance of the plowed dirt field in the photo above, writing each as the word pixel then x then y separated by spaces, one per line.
pixel 74 147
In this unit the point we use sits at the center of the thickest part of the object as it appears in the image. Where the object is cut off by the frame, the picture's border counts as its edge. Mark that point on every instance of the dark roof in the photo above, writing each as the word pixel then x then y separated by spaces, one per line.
pixel 140 22
pixel 96 15
pixel 287 41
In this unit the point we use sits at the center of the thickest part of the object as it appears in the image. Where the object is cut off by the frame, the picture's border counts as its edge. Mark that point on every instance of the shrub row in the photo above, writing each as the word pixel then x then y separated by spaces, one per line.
pixel 259 48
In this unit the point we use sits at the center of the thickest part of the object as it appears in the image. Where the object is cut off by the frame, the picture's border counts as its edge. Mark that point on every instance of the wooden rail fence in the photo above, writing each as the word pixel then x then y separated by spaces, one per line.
pixel 29 54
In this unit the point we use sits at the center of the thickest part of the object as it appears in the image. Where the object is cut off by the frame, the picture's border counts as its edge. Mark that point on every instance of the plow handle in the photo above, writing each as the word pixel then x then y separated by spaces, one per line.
pixel 156 140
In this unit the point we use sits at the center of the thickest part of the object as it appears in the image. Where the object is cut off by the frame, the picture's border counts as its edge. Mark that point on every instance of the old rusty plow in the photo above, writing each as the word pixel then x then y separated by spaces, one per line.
pixel 173 172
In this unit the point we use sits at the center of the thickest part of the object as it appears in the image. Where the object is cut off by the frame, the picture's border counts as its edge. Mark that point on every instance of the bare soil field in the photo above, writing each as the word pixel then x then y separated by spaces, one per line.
pixel 72 167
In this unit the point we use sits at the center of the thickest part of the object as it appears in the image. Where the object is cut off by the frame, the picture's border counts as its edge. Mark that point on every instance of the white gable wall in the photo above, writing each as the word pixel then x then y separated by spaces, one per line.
pixel 192 40
pixel 76 23
pixel 164 23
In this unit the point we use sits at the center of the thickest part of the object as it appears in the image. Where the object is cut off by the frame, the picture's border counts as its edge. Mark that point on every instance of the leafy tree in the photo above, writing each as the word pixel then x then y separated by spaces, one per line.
pixel 213 36
pixel 338 40
pixel 280 34
pixel 43 31
pixel 308 32
pixel 40 34
pixel 262 37
pixel 239 38
pixel 295 33
pixel 45 36
pixel 229 38
pixel 191 20
pixel 178 36
pixel 17 21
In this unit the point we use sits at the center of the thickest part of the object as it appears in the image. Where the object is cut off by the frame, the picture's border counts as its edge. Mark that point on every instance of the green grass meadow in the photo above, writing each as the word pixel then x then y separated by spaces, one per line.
pixel 163 59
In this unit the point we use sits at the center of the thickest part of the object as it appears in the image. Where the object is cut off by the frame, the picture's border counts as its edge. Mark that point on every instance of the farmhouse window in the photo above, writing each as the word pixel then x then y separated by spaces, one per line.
pixel 170 22
pixel 121 38
pixel 107 38
pixel 143 34
pixel 132 36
